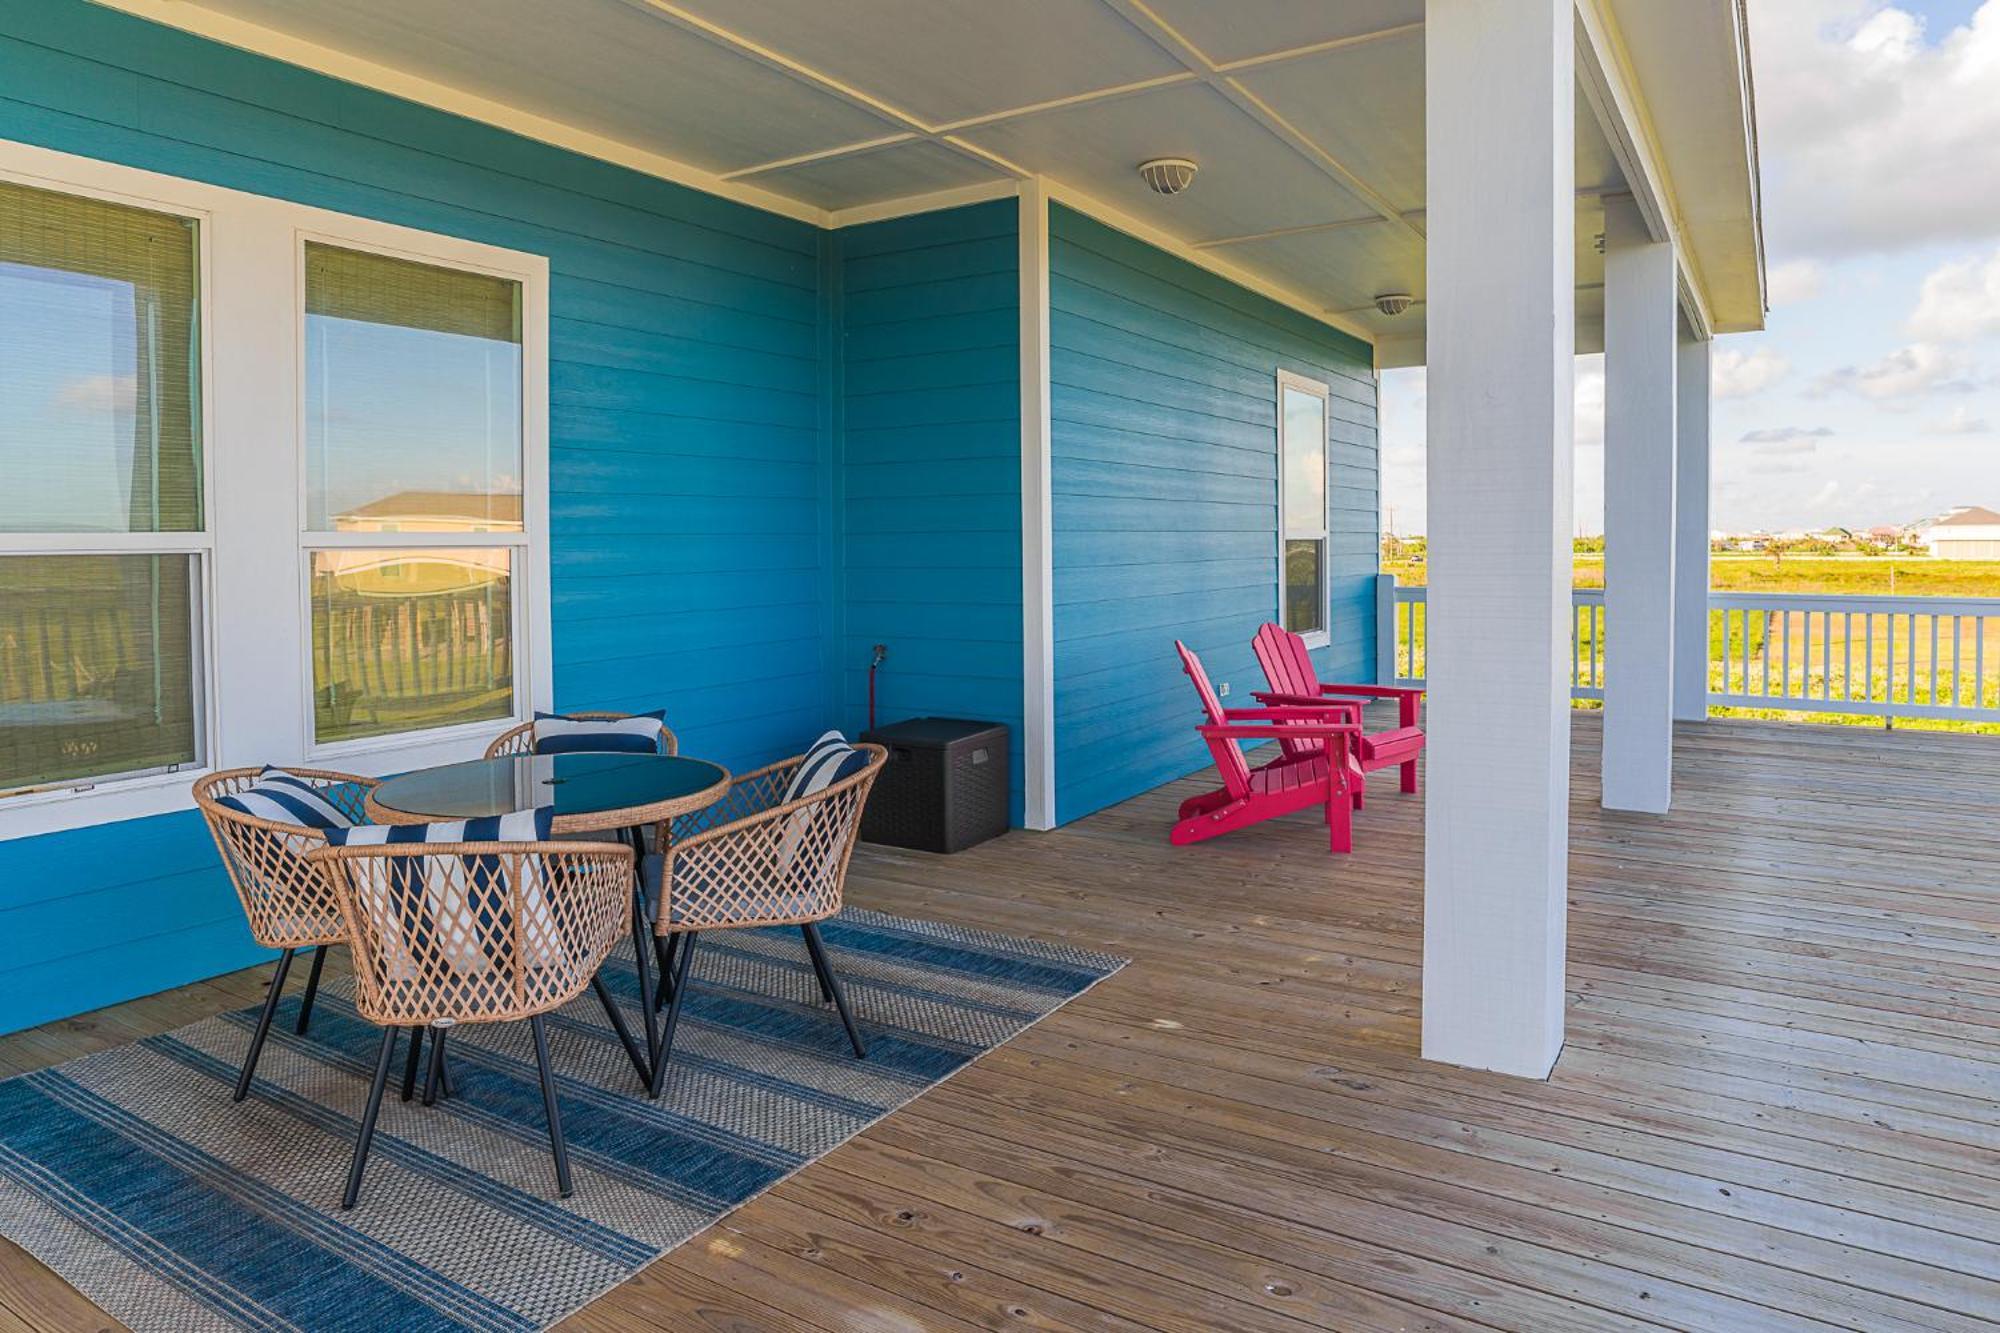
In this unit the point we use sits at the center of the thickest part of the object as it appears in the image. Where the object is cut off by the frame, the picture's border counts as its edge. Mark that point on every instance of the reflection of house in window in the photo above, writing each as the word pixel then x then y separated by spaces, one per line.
pixel 434 511
pixel 436 570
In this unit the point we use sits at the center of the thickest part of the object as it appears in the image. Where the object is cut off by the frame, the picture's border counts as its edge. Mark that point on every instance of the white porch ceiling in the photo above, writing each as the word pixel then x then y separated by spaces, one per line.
pixel 1306 117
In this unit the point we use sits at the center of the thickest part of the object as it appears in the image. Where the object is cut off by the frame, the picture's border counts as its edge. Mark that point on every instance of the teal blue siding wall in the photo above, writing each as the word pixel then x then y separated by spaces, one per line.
pixel 688 445
pixel 1164 473
pixel 931 467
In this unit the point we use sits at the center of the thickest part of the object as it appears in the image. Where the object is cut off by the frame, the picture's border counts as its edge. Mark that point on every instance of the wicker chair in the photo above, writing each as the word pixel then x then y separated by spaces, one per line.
pixel 285 899
pixel 448 933
pixel 755 859
pixel 521 739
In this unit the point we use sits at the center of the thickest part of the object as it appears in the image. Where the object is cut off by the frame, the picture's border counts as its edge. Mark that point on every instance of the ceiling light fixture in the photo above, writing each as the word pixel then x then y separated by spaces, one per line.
pixel 1394 303
pixel 1168 175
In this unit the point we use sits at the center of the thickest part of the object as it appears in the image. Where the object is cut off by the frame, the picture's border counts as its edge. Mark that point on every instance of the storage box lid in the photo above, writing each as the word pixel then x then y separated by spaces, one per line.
pixel 929 732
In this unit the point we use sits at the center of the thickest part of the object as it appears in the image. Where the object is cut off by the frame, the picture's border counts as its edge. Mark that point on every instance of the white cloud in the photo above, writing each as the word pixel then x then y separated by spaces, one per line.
pixel 97 393
pixel 1796 282
pixel 1590 402
pixel 1878 132
pixel 1907 372
pixel 1960 301
pixel 1960 422
pixel 1735 374
pixel 1786 439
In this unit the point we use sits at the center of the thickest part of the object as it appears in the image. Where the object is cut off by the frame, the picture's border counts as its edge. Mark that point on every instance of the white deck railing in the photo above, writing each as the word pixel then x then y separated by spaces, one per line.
pixel 1871 656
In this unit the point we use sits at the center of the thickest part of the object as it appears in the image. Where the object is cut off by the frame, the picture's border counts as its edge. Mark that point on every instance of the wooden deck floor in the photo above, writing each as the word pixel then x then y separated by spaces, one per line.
pixel 1777 1107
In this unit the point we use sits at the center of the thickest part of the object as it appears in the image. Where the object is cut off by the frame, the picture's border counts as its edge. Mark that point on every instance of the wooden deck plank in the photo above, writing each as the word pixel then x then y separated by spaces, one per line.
pixel 1777 1108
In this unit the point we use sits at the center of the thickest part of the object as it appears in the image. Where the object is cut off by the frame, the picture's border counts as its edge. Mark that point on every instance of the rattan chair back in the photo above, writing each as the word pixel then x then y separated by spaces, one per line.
pixel 521 739
pixel 477 932
pixel 755 859
pixel 285 898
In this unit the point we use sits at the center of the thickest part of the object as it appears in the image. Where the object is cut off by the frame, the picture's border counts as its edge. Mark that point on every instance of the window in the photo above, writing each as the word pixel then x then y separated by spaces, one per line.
pixel 1302 550
pixel 275 490
pixel 102 514
pixel 413 425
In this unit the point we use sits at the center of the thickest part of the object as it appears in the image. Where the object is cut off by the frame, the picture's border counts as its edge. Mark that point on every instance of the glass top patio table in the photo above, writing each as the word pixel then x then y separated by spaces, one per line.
pixel 589 790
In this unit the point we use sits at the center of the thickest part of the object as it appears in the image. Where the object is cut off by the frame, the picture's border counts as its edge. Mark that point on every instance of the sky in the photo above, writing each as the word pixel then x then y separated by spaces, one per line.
pixel 1873 396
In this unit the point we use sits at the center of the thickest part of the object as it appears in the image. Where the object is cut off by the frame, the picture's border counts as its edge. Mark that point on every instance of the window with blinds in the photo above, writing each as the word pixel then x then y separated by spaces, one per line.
pixel 102 523
pixel 1302 434
pixel 413 429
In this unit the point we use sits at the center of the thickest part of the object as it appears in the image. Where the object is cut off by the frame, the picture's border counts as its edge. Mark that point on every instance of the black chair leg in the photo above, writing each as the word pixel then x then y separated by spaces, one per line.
pixel 831 983
pixel 670 949
pixel 623 1029
pixel 411 1061
pixel 367 1135
pixel 263 1025
pixel 434 1077
pixel 312 990
pixel 556 1144
pixel 819 969
pixel 673 1016
pixel 663 951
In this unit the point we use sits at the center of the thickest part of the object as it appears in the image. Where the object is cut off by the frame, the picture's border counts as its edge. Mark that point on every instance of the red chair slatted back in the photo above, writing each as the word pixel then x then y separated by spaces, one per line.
pixel 1288 667
pixel 1229 760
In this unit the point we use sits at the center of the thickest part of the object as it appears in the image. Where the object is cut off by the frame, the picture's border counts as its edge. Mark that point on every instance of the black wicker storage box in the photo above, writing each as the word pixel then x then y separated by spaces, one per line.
pixel 943 788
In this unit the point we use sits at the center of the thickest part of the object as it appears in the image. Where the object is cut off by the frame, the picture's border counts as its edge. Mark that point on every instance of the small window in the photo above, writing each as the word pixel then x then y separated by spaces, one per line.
pixel 102 516
pixel 413 431
pixel 1302 433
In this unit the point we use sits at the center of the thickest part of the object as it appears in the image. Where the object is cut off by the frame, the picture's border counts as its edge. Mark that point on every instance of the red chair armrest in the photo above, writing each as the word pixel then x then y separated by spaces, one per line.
pixel 1298 713
pixel 1376 691
pixel 1308 702
pixel 1280 731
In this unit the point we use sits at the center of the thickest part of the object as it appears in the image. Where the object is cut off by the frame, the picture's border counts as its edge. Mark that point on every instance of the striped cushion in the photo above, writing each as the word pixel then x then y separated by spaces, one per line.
pixel 638 734
pixel 520 826
pixel 829 760
pixel 288 799
pixel 462 917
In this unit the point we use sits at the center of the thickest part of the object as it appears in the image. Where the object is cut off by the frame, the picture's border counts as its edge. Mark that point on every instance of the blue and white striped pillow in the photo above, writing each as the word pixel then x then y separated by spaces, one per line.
pixel 637 734
pixel 466 919
pixel 286 798
pixel 520 826
pixel 829 760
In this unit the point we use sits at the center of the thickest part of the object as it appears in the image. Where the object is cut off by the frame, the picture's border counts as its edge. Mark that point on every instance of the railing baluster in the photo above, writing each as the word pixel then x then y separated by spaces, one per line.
pixel 1933 673
pixel 1957 664
pixel 1979 661
pixel 1910 656
pixel 1847 657
pixel 1868 656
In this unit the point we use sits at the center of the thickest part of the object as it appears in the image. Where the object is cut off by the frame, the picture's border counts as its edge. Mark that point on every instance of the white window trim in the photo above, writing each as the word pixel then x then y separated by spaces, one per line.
pixel 1286 379
pixel 252 585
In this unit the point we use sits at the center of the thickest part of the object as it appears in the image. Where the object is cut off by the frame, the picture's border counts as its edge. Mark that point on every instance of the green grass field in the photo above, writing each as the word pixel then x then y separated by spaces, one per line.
pixel 1860 660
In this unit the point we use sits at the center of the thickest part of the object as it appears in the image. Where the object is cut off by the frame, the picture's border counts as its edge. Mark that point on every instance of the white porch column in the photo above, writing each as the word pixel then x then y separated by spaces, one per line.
pixel 1641 331
pixel 1500 315
pixel 1691 524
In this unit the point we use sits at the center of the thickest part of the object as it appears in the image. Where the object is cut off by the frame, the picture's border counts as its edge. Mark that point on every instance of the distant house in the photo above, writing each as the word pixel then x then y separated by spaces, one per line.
pixel 1885 533
pixel 1970 533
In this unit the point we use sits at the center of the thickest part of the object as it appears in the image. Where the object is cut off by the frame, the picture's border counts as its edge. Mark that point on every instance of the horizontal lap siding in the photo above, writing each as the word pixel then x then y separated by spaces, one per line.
pixel 930 470
pixel 1164 470
pixel 686 445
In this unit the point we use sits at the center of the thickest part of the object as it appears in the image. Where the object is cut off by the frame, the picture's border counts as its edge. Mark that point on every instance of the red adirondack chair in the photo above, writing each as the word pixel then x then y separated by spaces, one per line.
pixel 1294 683
pixel 1252 795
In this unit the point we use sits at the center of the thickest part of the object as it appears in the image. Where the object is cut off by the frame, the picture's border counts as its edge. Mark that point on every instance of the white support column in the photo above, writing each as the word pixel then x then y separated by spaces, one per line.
pixel 1038 708
pixel 1691 646
pixel 1641 333
pixel 1500 315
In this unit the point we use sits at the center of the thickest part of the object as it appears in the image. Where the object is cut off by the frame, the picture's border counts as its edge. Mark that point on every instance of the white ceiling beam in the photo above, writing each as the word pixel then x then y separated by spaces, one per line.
pixel 1270 58
pixel 1178 45
pixel 292 50
pixel 1611 91
pixel 1111 216
pixel 821 81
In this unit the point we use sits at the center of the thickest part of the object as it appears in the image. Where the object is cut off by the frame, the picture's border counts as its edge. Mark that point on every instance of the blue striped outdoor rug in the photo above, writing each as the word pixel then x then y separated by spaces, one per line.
pixel 132 1174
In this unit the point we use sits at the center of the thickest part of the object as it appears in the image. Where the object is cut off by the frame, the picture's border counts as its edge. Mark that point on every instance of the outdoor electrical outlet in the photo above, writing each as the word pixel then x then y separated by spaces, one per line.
pixel 1225 689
